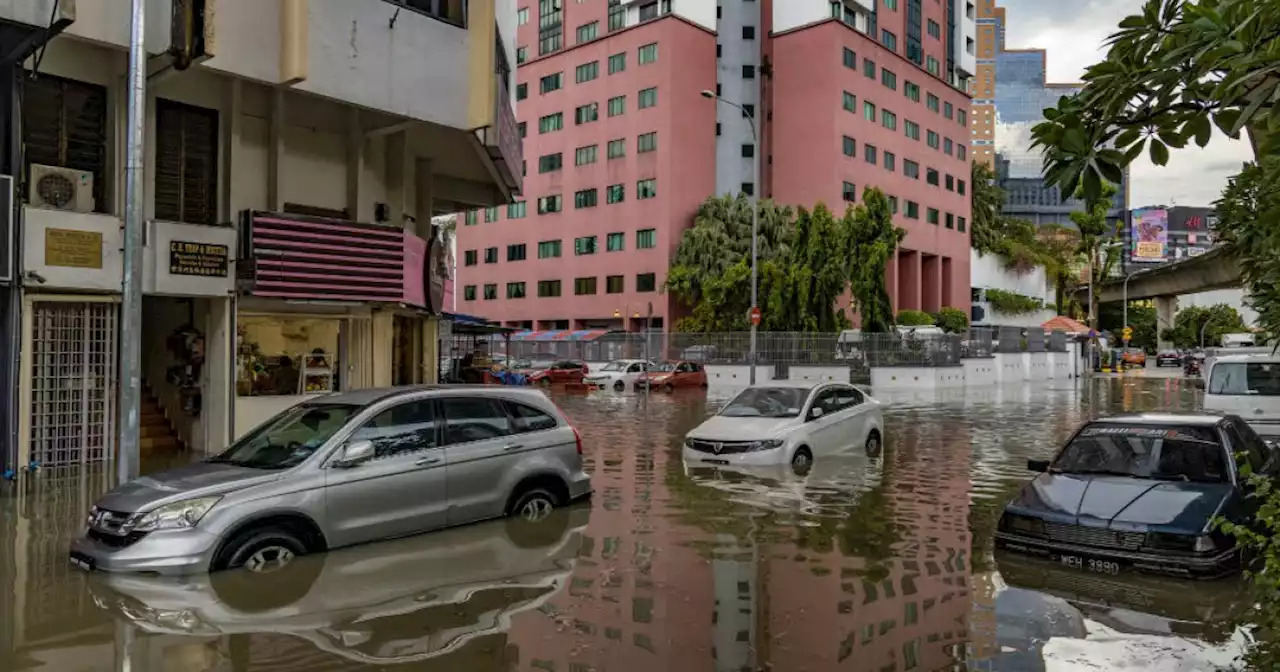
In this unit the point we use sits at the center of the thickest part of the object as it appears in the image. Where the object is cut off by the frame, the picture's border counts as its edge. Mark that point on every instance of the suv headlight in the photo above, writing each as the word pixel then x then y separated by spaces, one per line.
pixel 176 516
pixel 1204 544
pixel 767 444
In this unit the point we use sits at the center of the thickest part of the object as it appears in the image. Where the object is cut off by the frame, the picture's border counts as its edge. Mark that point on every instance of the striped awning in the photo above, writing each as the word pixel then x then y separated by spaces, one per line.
pixel 559 335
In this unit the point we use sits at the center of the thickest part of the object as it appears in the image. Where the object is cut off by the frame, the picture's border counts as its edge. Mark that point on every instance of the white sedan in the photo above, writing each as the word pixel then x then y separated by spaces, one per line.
pixel 618 375
pixel 784 422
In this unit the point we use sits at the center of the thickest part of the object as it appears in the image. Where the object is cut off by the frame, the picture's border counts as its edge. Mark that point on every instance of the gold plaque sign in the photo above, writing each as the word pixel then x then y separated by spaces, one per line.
pixel 72 248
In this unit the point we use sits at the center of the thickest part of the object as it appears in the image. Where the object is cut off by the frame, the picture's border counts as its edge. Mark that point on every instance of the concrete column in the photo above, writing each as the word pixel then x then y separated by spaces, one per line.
pixel 930 283
pixel 275 153
pixel 398 177
pixel 231 130
pixel 431 350
pixel 908 280
pixel 1166 311
pixel 383 342
pixel 219 400
pixel 355 163
pixel 891 281
pixel 424 195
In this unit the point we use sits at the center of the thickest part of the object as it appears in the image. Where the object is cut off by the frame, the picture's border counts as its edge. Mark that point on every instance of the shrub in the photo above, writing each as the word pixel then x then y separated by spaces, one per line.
pixel 914 318
pixel 952 320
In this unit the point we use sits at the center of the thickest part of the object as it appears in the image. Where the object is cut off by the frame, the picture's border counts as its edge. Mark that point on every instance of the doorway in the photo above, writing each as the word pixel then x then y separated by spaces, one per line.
pixel 406 350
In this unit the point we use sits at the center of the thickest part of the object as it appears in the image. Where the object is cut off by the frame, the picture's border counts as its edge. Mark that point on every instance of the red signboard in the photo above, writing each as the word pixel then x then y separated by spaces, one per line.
pixel 755 316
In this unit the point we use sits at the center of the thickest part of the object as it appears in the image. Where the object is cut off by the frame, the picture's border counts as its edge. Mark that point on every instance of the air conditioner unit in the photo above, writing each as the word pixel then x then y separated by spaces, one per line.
pixel 61 188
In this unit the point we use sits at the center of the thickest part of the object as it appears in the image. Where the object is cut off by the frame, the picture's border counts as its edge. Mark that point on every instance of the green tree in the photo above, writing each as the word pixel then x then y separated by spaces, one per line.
pixel 1095 231
pixel 986 204
pixel 952 320
pixel 1142 319
pixel 1063 265
pixel 1216 320
pixel 870 241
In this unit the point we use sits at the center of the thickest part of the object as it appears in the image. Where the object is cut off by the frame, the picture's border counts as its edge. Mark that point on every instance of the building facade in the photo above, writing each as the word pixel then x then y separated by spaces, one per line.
pixel 1010 94
pixel 622 145
pixel 293 164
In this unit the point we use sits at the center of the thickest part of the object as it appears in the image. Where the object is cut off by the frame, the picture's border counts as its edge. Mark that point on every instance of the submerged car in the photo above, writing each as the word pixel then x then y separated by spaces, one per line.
pixel 618 375
pixel 785 422
pixel 341 470
pixel 1140 491
pixel 1168 358
pixel 559 372
pixel 671 376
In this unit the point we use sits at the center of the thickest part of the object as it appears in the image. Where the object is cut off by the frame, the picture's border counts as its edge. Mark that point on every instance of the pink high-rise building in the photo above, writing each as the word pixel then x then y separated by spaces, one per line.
pixel 621 146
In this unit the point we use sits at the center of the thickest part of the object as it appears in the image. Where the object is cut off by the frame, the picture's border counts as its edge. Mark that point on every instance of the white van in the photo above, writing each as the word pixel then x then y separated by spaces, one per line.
pixel 1248 386
pixel 1241 340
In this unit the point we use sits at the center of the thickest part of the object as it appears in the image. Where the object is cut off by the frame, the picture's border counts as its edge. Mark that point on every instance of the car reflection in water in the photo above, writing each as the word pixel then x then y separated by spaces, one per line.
pixel 409 600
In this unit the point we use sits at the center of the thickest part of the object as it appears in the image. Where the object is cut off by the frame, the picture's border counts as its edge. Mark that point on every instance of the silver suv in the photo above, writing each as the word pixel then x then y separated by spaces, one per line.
pixel 340 470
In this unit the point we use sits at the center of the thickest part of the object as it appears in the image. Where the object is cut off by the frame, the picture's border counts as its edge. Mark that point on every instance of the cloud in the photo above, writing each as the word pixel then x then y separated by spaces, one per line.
pixel 1073 34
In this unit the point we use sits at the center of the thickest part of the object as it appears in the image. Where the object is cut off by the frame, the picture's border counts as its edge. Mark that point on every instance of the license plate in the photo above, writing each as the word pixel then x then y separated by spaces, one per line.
pixel 1090 564
pixel 716 461
pixel 81 561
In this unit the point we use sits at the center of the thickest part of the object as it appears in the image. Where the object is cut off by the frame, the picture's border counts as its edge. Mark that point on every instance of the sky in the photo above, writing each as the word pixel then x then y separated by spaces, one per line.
pixel 1073 32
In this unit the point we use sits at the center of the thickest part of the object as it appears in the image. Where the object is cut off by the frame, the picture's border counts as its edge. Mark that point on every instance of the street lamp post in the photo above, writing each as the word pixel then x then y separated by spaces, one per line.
pixel 755 207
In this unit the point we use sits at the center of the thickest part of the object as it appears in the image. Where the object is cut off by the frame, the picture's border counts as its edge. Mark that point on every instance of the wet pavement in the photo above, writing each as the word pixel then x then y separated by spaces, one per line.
pixel 865 563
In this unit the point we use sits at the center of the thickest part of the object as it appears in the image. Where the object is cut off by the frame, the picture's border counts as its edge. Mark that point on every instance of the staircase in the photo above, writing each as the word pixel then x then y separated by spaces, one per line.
pixel 157 435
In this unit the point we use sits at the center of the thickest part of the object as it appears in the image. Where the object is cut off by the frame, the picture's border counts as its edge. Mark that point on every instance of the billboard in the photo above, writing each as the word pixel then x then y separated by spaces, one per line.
pixel 1149 235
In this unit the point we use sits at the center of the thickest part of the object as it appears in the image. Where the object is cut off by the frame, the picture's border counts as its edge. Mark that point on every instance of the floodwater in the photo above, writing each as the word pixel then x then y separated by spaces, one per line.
pixel 866 563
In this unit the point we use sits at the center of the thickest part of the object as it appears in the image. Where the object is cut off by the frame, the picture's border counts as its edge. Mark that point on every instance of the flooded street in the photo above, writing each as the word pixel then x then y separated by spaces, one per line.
pixel 866 563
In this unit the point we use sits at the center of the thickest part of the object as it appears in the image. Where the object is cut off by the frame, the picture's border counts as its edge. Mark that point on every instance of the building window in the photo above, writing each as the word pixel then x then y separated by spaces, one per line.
pixel 587 72
pixel 913 210
pixel 646 142
pixel 869 154
pixel 913 130
pixel 470 218
pixel 517 252
pixel 748 32
pixel 550 26
pixel 522 54
pixel 935 30
pixel 911 169
pixel 617 15
pixel 585 198
pixel 890 161
pixel 522 16
pixel 186 166
pixel 893 204
pixel 490 215
pixel 748 189
pixel 584 286
pixel 889 120
pixel 490 292
pixel 850 102
pixel 548 288
pixel 650 11
pixel 523 129
pixel 960 187
pixel 960 224
pixel 947 110
pixel 869 111
pixel 585 114
pixel 614 284
pixel 951 221
pixel 617 105
pixel 961 152
pixel 932 139
pixel 646 239
pixel 646 282
pixel 911 90
pixel 615 242
pixel 648 53
pixel 850 59
pixel 931 101
pixel 749 111
pixel 849 146
pixel 648 97
pixel 587 31
pixel 616 149
pixel 490 255
pixel 849 192
pixel 469 293
pixel 515 290
pixel 64 124
pixel 869 68
pixel 618 63
pixel 550 163
pixel 748 72
pixel 551 82
pixel 931 177
pixel 962 117
pixel 585 155
pixel 549 204
pixel 615 193
pixel 889 78
pixel 950 183
pixel 516 210
pixel 470 258
pixel 584 245
pixel 646 189
pixel 931 216
pixel 889 40
pixel 947 146
pixel 931 64
pixel 522 91
pixel 549 249
pixel 551 122
pixel 748 151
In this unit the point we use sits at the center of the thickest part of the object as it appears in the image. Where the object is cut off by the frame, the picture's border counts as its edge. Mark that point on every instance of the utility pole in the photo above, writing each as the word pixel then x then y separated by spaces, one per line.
pixel 131 290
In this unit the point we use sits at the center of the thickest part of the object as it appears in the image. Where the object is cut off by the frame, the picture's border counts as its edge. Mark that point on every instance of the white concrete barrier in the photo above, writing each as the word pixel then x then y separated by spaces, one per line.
pixel 737 374
pixel 980 372
pixel 916 377
pixel 819 374
pixel 1011 367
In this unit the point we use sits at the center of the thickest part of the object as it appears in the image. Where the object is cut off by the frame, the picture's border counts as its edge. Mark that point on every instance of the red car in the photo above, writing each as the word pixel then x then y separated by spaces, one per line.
pixel 672 375
pixel 563 371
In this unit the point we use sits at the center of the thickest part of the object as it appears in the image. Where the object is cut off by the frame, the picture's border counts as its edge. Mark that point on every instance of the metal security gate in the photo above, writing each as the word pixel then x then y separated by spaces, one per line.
pixel 73 377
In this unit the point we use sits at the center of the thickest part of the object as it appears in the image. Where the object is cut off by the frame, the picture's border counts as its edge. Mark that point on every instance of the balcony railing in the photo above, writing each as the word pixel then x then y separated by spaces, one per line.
pixel 299 257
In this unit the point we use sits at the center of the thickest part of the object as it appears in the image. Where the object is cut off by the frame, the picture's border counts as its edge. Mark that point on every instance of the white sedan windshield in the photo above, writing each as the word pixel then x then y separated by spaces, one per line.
pixel 615 366
pixel 766 402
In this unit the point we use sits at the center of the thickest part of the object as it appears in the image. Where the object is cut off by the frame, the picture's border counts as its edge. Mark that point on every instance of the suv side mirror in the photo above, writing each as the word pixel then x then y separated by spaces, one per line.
pixel 815 413
pixel 355 453
pixel 1040 466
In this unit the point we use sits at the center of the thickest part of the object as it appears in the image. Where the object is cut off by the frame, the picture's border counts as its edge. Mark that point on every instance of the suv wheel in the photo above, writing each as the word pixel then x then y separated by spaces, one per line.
pixel 261 551
pixel 534 505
